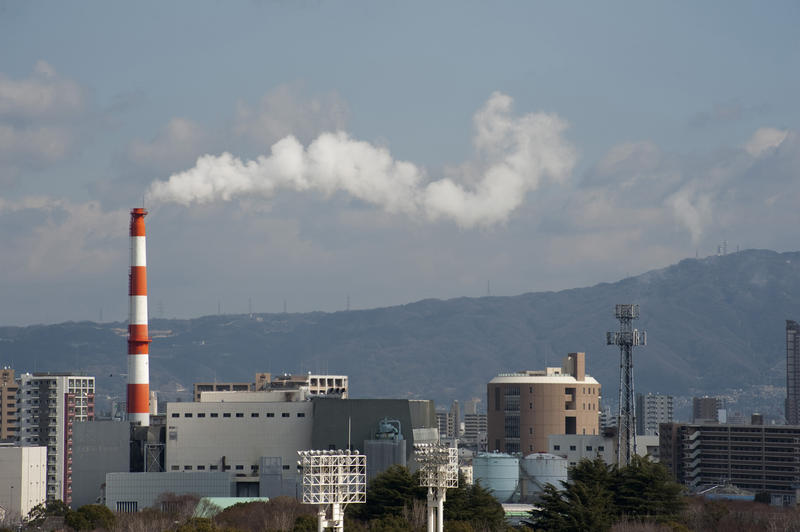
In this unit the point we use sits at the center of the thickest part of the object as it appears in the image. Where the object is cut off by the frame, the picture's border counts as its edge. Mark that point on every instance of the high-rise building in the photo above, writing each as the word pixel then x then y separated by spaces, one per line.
pixel 792 372
pixel 9 422
pixel 652 409
pixel 49 405
pixel 455 414
pixel 524 408
pixel 475 428
pixel 706 409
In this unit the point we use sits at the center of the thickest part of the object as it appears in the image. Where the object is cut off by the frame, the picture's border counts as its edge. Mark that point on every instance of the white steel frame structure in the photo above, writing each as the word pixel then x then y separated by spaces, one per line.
pixel 438 471
pixel 333 479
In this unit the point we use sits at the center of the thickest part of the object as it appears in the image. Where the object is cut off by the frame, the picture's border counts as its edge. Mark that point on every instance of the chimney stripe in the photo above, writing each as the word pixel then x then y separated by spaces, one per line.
pixel 138 335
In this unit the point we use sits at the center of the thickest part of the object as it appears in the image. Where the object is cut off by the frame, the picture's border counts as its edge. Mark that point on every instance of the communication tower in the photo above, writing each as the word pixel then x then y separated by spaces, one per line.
pixel 626 339
pixel 333 479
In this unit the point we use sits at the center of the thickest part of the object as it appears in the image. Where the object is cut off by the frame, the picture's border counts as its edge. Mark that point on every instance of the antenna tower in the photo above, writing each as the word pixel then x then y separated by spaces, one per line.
pixel 626 339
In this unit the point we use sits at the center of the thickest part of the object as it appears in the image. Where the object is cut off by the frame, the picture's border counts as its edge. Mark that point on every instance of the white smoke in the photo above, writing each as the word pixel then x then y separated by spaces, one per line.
pixel 515 154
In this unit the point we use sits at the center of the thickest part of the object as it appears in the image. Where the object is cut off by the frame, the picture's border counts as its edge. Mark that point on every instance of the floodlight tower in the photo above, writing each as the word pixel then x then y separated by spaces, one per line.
pixel 438 471
pixel 333 479
pixel 626 339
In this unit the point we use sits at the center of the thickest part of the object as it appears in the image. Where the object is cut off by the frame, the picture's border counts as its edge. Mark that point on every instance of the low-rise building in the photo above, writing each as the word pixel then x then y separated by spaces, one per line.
pixel 23 479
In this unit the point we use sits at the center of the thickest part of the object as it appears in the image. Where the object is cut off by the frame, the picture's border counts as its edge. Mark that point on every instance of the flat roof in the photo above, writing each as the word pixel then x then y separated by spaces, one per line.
pixel 522 378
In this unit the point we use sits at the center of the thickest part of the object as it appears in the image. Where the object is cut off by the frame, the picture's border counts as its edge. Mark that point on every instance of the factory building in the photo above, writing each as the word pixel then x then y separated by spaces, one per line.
pixel 524 408
pixel 50 404
pixel 759 458
pixel 318 385
pixel 23 479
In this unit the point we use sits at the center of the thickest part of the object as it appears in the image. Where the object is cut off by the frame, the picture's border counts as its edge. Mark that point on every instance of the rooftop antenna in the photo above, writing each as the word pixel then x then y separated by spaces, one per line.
pixel 627 338
pixel 250 306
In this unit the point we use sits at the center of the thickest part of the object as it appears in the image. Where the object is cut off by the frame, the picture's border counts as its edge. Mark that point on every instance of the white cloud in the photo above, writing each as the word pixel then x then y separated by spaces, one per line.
pixel 764 140
pixel 43 95
pixel 517 154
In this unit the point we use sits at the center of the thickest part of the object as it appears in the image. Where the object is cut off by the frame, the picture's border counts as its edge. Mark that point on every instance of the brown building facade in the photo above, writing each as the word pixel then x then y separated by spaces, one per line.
pixel 524 408
pixel 9 422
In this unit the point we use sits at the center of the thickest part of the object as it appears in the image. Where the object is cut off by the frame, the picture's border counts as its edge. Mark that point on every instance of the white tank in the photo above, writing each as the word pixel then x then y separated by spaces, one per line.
pixel 539 469
pixel 497 472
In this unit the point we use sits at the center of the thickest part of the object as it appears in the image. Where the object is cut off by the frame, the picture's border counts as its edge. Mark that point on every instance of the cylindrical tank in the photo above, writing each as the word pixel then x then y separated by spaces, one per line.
pixel 498 472
pixel 538 470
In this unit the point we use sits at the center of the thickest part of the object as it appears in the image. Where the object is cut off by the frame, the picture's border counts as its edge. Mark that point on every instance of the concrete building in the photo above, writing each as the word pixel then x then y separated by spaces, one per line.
pixel 49 406
pixel 576 447
pixel 475 429
pixel 524 408
pixel 23 479
pixel 99 447
pixel 792 373
pixel 317 384
pixel 760 458
pixel 132 492
pixel 9 422
pixel 707 409
pixel 652 410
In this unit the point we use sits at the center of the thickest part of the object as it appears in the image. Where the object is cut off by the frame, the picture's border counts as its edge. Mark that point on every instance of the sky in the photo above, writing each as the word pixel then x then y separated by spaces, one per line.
pixel 306 154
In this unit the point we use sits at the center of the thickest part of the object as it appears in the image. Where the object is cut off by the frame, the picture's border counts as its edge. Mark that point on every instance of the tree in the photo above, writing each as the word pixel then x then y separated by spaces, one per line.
pixel 387 494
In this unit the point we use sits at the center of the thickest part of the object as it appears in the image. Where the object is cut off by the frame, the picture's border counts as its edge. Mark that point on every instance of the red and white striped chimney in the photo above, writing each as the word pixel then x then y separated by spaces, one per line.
pixel 138 337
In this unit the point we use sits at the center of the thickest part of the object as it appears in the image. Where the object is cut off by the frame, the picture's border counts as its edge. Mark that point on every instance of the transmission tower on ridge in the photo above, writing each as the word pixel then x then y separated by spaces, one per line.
pixel 626 339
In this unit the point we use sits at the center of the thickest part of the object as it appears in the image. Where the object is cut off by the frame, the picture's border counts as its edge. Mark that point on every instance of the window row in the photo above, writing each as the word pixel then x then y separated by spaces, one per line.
pixel 238 414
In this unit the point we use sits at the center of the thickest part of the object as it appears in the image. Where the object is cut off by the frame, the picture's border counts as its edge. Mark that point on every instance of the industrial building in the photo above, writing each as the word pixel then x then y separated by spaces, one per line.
pixel 9 422
pixel 760 458
pixel 512 478
pixel 792 373
pixel 524 408
pixel 652 410
pixel 23 479
pixel 50 404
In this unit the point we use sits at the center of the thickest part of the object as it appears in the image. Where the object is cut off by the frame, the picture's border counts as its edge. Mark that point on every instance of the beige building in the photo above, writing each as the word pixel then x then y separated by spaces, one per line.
pixel 317 384
pixel 23 479
pixel 524 408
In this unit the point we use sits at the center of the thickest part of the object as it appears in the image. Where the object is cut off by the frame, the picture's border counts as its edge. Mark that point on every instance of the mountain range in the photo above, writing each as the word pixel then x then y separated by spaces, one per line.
pixel 713 325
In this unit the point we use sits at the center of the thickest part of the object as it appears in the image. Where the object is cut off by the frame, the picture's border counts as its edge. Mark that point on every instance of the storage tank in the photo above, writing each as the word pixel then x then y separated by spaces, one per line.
pixel 497 472
pixel 538 470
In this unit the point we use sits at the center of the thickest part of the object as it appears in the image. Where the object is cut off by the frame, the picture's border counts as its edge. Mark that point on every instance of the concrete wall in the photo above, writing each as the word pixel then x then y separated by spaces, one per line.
pixel 23 478
pixel 336 420
pixel 137 491
pixel 98 447
pixel 236 435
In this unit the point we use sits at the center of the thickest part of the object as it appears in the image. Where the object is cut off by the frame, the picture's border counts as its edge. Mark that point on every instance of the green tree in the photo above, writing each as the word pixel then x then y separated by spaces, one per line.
pixel 93 516
pixel 646 489
pixel 475 505
pixel 42 511
pixel 387 494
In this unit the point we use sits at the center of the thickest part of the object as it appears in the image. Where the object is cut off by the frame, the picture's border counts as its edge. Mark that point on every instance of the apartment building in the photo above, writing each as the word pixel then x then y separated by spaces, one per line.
pixel 759 458
pixel 49 405
pixel 9 421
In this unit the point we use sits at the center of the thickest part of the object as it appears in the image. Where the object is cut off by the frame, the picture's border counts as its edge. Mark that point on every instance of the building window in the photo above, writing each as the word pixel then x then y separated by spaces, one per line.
pixel 601 448
pixel 270 414
pixel 254 414
pixel 239 467
pixel 175 468
pixel 201 414
pixel 588 447
pixel 213 467
pixel 301 414
pixel 285 414
pixel 572 448
pixel 187 468
pixel 127 506
pixel 226 414
pixel 286 467
pixel 556 447
pixel 511 427
pixel 214 414
pixel 201 468
pixel 239 414
pixel 175 414
pixel 187 414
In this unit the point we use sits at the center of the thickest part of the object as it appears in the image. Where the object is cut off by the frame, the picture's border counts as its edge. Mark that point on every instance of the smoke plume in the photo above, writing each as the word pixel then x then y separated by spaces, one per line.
pixel 514 155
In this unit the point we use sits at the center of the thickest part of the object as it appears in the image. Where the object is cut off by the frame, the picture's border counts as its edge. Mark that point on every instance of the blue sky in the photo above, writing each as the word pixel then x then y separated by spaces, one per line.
pixel 680 131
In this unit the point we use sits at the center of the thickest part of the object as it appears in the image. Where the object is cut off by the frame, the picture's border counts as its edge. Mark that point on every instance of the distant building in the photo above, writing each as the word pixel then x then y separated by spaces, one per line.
pixel 471 406
pixel 317 384
pixel 9 422
pixel 706 409
pixel 652 410
pixel 760 458
pixel 608 419
pixel 455 415
pixel 49 405
pixel 792 372
pixel 524 408
pixel 23 479
pixel 475 430
pixel 576 447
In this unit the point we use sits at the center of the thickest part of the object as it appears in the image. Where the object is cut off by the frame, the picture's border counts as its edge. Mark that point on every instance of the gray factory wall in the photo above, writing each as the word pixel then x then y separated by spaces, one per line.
pixel 128 492
pixel 98 447
pixel 331 417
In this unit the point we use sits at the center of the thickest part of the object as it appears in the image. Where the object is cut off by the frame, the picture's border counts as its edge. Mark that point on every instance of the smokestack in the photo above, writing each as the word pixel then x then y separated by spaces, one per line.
pixel 138 337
